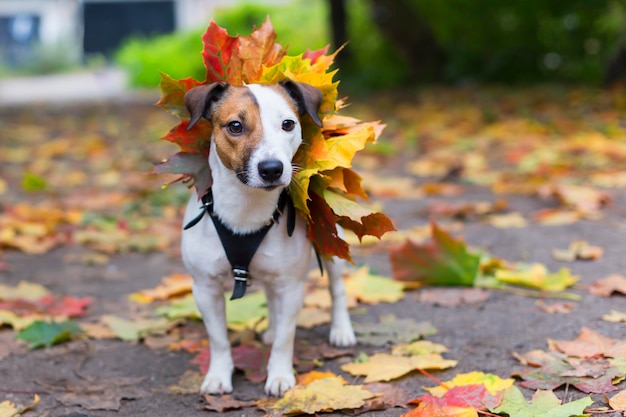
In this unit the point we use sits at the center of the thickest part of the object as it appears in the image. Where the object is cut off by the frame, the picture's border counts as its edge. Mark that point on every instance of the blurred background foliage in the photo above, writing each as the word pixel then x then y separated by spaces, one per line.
pixel 400 42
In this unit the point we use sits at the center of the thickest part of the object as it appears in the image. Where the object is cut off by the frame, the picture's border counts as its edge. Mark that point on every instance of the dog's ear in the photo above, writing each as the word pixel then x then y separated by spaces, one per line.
pixel 200 100
pixel 307 98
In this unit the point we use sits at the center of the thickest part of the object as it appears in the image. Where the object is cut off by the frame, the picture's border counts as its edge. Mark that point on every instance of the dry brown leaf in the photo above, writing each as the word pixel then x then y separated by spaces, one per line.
pixel 578 250
pixel 221 403
pixel 589 344
pixel 608 285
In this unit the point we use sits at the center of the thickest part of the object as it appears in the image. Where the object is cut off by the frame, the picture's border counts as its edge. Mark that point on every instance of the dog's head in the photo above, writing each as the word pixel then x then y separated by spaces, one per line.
pixel 256 128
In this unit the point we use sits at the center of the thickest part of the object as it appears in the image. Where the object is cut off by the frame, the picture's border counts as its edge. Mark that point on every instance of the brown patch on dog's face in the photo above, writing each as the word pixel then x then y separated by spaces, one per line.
pixel 237 128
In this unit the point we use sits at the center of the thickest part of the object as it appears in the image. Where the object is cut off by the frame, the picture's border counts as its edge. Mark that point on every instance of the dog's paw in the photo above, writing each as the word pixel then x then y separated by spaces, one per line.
pixel 277 385
pixel 268 336
pixel 216 384
pixel 342 335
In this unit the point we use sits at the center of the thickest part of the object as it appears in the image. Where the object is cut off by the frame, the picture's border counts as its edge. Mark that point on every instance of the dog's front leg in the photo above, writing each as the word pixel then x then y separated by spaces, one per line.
pixel 209 297
pixel 287 302
pixel 341 332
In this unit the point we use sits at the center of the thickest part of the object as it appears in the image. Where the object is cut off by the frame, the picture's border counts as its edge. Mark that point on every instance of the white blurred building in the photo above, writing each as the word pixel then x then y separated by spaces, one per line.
pixel 76 28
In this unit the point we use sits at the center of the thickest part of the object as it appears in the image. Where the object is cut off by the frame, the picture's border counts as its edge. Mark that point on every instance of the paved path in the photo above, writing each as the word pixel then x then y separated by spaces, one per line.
pixel 85 86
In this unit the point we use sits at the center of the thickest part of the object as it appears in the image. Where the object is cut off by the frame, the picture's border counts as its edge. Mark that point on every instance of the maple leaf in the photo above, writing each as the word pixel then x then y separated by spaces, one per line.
pixel 590 344
pixel 44 334
pixel 24 290
pixel 578 249
pixel 385 367
pixel 542 404
pixel 133 330
pixel 100 393
pixel 370 288
pixel 322 395
pixel 218 50
pixel 492 383
pixel 618 401
pixel 223 403
pixel 553 369
pixel 608 285
pixel 463 400
pixel 252 360
pixel 444 261
pixel 10 409
pixel 392 330
pixel 171 286
pixel 537 276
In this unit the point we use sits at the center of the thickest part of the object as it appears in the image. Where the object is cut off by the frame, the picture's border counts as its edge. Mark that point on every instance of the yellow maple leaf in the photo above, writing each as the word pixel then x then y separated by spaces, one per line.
pixel 492 383
pixel 173 285
pixel 321 395
pixel 537 276
pixel 371 289
pixel 24 290
pixel 385 367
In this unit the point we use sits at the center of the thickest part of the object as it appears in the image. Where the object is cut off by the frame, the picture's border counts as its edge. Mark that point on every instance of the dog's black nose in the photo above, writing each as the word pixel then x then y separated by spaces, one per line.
pixel 270 170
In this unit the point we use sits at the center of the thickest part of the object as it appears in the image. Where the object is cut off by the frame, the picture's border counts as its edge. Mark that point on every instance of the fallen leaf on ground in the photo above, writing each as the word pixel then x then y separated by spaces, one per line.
pixel 550 370
pixel 542 404
pixel 443 261
pixel 100 394
pixel 385 367
pixel 174 285
pixel 615 317
pixel 309 377
pixel 608 285
pixel 618 401
pixel 324 395
pixel 24 290
pixel 557 217
pixel 557 307
pixel 371 289
pixel 44 334
pixel 310 317
pixel 507 221
pixel 221 403
pixel 493 383
pixel 387 396
pixel 392 330
pixel 458 401
pixel 189 383
pixel 134 330
pixel 537 276
pixel 10 409
pixel 578 250
pixel 590 344
pixel 583 199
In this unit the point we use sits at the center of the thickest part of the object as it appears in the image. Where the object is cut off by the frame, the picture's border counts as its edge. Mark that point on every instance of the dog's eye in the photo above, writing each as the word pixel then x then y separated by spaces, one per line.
pixel 288 125
pixel 235 128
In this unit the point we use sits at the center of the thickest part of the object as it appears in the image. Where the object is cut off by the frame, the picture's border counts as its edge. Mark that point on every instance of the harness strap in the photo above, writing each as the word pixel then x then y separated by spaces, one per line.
pixel 240 249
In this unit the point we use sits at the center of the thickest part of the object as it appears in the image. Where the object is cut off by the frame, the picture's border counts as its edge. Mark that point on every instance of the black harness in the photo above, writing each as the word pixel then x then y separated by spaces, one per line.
pixel 241 248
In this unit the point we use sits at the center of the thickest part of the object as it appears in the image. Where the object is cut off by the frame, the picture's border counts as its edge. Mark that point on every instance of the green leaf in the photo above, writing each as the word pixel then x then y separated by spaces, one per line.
pixel 46 334
pixel 443 261
pixel 194 164
pixel 542 404
pixel 33 182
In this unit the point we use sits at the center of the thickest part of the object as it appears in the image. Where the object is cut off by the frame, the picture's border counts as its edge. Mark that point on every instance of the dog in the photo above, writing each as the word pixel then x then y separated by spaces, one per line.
pixel 256 133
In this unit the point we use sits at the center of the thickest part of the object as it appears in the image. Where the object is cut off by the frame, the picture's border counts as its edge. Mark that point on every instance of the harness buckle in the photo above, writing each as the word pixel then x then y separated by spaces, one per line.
pixel 241 275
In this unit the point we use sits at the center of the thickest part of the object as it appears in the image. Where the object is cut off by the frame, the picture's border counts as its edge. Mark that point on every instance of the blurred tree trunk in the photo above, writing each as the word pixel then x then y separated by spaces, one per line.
pixel 402 25
pixel 339 28
pixel 616 68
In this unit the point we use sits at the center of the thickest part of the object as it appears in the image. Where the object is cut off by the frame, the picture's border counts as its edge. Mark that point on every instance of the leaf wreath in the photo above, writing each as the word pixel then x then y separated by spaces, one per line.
pixel 325 190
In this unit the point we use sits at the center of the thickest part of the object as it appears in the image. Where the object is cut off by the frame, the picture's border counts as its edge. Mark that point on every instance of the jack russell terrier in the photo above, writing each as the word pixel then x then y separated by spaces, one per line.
pixel 256 133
